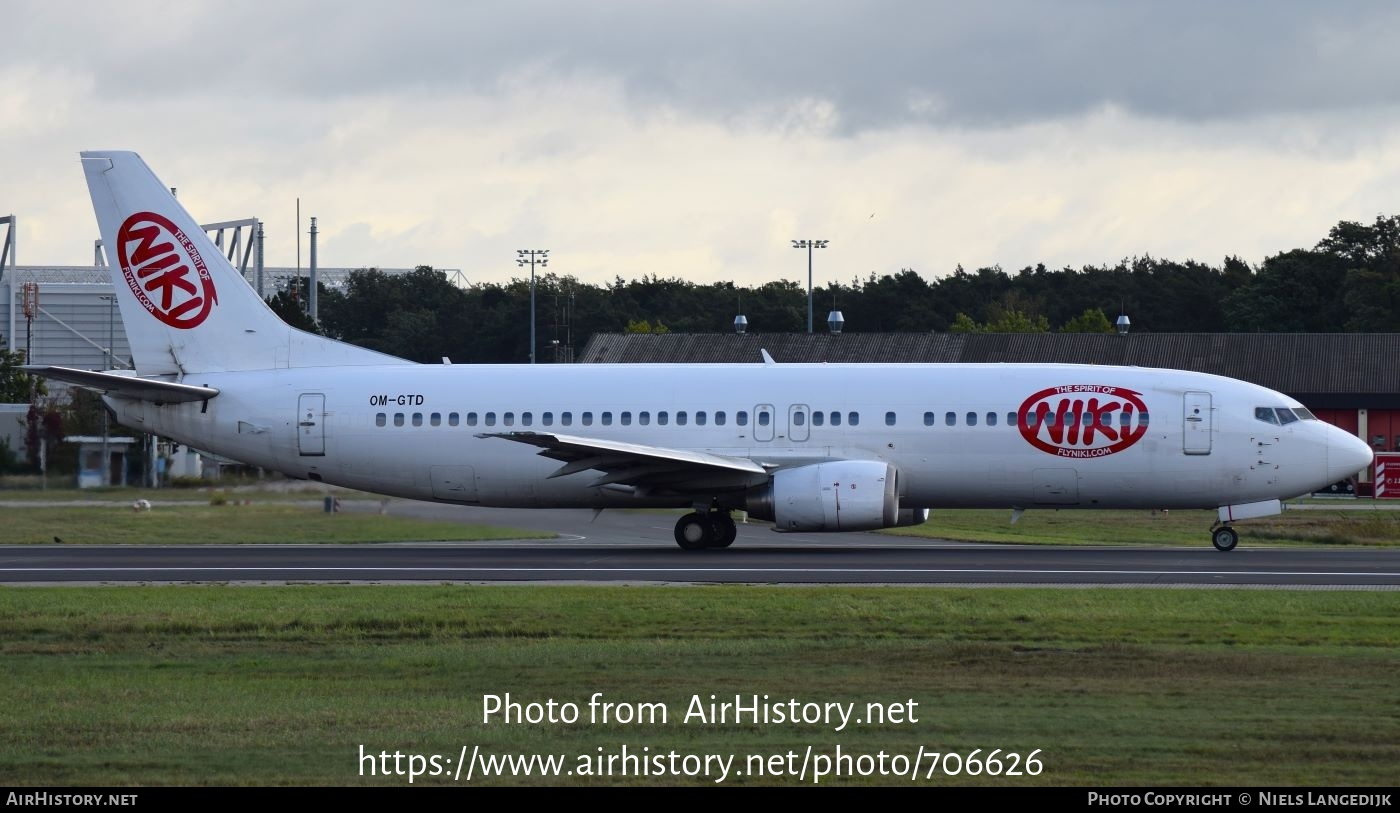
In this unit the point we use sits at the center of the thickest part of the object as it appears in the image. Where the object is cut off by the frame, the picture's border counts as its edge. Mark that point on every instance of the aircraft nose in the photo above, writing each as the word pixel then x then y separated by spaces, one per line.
pixel 1346 455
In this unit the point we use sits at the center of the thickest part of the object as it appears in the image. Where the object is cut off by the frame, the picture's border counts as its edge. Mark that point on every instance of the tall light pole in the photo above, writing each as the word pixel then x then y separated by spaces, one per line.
pixel 809 245
pixel 530 257
pixel 107 364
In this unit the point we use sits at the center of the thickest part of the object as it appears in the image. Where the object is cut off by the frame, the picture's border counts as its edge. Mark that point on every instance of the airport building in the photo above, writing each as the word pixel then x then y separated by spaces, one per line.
pixel 1351 380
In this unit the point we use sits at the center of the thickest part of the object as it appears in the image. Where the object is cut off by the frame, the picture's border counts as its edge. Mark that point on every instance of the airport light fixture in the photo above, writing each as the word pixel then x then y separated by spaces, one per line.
pixel 532 257
pixel 809 245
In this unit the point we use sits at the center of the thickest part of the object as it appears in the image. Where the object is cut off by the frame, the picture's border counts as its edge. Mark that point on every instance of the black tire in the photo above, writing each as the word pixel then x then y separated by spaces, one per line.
pixel 725 530
pixel 694 531
pixel 1224 539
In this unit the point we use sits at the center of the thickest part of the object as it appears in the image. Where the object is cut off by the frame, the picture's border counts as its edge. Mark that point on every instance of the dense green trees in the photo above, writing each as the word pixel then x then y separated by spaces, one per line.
pixel 1349 281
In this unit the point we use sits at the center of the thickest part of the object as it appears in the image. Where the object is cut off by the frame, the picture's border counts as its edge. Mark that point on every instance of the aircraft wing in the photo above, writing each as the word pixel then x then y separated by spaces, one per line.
pixel 647 467
pixel 127 386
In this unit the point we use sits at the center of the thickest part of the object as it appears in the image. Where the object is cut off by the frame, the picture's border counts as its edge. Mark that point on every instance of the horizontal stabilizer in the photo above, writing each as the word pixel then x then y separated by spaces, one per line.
pixel 125 385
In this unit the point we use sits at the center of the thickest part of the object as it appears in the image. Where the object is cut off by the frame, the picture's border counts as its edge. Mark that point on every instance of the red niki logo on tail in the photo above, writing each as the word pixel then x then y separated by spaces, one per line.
pixel 165 271
pixel 1083 420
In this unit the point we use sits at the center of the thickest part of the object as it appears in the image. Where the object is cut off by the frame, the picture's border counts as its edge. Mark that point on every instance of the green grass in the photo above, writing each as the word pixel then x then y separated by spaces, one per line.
pixel 281 685
pixel 126 495
pixel 232 524
pixel 1188 528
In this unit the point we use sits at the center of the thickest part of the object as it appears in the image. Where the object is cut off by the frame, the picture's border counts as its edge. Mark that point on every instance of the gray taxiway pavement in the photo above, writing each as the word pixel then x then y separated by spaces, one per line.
pixel 636 547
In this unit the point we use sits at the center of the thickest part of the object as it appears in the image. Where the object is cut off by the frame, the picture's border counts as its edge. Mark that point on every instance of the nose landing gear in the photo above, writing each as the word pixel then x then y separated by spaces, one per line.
pixel 1223 537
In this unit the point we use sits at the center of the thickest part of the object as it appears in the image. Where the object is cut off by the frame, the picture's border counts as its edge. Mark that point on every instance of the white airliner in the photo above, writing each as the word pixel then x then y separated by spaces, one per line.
pixel 812 447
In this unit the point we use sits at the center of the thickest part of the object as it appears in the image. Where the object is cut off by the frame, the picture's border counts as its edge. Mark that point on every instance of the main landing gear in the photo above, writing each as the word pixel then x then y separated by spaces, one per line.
pixel 708 529
pixel 1224 538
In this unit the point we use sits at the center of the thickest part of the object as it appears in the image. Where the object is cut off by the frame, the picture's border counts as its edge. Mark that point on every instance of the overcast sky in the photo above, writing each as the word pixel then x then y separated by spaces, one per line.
pixel 697 139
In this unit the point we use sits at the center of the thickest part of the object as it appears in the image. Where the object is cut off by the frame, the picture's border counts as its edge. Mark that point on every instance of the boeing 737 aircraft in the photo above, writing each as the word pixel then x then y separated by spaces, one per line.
pixel 812 447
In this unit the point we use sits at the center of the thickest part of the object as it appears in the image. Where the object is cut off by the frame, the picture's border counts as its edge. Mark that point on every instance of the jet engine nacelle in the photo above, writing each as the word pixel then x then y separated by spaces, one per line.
pixel 846 495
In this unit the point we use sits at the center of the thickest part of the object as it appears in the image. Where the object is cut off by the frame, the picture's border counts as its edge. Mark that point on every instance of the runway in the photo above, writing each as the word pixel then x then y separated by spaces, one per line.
pixel 636 547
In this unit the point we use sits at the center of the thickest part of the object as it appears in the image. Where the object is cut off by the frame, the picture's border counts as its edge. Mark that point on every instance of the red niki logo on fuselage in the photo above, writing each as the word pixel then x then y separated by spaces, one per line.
pixel 164 271
pixel 1083 420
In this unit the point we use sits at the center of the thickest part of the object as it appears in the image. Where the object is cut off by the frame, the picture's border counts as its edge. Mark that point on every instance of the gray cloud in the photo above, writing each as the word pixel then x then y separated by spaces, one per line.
pixel 881 64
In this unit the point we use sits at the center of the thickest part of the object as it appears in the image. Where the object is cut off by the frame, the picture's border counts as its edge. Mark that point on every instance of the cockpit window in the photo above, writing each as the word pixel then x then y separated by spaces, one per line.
pixel 1285 416
pixel 1304 414
pixel 1266 414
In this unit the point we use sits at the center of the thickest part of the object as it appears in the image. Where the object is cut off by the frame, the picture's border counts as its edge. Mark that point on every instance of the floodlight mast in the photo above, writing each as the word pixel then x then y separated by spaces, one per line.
pixel 531 257
pixel 809 245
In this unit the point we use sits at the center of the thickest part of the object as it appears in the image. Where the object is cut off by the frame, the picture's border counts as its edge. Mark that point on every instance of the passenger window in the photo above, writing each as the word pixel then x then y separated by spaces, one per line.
pixel 1011 419
pixel 817 418
pixel 490 419
pixel 699 418
pixel 471 419
pixel 607 419
pixel 972 419
pixel 889 419
pixel 381 419
pixel 680 419
pixel 663 418
pixel 719 418
pixel 643 418
pixel 1286 416
pixel 950 418
pixel 417 419
pixel 435 419
pixel 799 418
pixel 928 419
pixel 763 417
pixel 626 419
pixel 508 419
pixel 836 419
pixel 588 419
pixel 1071 419
pixel 547 419
pixel 398 419
pixel 1105 421
pixel 741 418
pixel 991 419
pixel 566 418
pixel 1125 419
pixel 526 419
pixel 1142 419
pixel 1032 419
pixel 853 418
pixel 453 419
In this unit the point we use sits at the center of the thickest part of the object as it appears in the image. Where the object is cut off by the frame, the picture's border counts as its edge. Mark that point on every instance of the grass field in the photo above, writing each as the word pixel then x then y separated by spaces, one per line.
pixel 231 524
pixel 1190 528
pixel 281 685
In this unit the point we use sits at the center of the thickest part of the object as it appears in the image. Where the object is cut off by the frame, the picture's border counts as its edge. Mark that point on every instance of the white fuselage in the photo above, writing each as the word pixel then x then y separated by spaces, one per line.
pixel 412 430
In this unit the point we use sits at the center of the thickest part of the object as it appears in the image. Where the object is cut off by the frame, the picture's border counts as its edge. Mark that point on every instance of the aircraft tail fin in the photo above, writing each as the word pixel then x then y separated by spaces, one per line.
pixel 183 305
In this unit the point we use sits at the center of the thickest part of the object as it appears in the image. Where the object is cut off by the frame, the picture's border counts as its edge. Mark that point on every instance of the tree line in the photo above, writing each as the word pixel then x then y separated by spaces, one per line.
pixel 1348 282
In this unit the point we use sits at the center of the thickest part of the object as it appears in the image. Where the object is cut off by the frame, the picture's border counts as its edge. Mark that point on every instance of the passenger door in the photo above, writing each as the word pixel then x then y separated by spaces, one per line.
pixel 1197 423
pixel 311 424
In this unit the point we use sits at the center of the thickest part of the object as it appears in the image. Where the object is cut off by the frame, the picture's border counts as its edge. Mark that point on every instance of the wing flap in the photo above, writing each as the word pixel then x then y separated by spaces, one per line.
pixel 639 465
pixel 128 386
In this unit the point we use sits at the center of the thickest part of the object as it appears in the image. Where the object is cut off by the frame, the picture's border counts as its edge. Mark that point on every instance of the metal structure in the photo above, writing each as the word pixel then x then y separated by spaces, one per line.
pixel 531 257
pixel 311 308
pixel 7 256
pixel 809 245
pixel 7 249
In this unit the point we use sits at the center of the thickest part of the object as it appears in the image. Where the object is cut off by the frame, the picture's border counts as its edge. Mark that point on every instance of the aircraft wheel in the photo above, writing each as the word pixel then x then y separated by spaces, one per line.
pixel 1224 539
pixel 725 529
pixel 694 531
